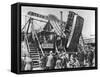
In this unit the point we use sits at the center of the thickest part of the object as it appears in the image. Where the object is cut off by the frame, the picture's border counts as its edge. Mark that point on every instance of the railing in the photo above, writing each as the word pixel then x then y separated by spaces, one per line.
pixel 34 34
pixel 26 41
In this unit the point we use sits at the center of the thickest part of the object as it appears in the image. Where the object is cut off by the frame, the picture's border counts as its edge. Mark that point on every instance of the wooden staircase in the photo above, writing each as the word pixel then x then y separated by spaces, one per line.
pixel 35 55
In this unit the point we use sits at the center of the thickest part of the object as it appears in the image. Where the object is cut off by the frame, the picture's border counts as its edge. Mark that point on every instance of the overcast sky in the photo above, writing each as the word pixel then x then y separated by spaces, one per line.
pixel 88 15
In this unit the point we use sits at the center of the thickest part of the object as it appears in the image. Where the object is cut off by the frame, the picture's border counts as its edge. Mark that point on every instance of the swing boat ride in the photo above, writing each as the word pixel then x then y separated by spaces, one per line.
pixel 56 35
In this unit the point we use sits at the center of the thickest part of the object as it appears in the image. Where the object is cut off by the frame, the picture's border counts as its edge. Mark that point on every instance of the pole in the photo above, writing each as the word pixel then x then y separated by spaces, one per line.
pixel 61 16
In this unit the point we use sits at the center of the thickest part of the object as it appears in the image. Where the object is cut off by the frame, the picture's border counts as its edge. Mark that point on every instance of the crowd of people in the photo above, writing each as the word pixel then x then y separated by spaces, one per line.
pixel 64 60
pixel 60 59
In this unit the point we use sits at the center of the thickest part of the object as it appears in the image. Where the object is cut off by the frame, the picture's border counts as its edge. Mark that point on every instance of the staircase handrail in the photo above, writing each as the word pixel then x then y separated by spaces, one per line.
pixel 37 40
pixel 26 41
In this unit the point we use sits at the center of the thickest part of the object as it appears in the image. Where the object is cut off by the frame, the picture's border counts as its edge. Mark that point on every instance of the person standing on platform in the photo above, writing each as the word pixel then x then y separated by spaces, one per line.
pixel 49 64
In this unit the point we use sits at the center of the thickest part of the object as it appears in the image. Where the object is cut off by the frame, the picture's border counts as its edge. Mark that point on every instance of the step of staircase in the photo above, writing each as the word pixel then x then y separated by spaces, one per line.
pixel 36 66
pixel 32 53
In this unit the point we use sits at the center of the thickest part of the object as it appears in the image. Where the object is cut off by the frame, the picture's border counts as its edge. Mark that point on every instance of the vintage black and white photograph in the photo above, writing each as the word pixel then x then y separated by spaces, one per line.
pixel 57 38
